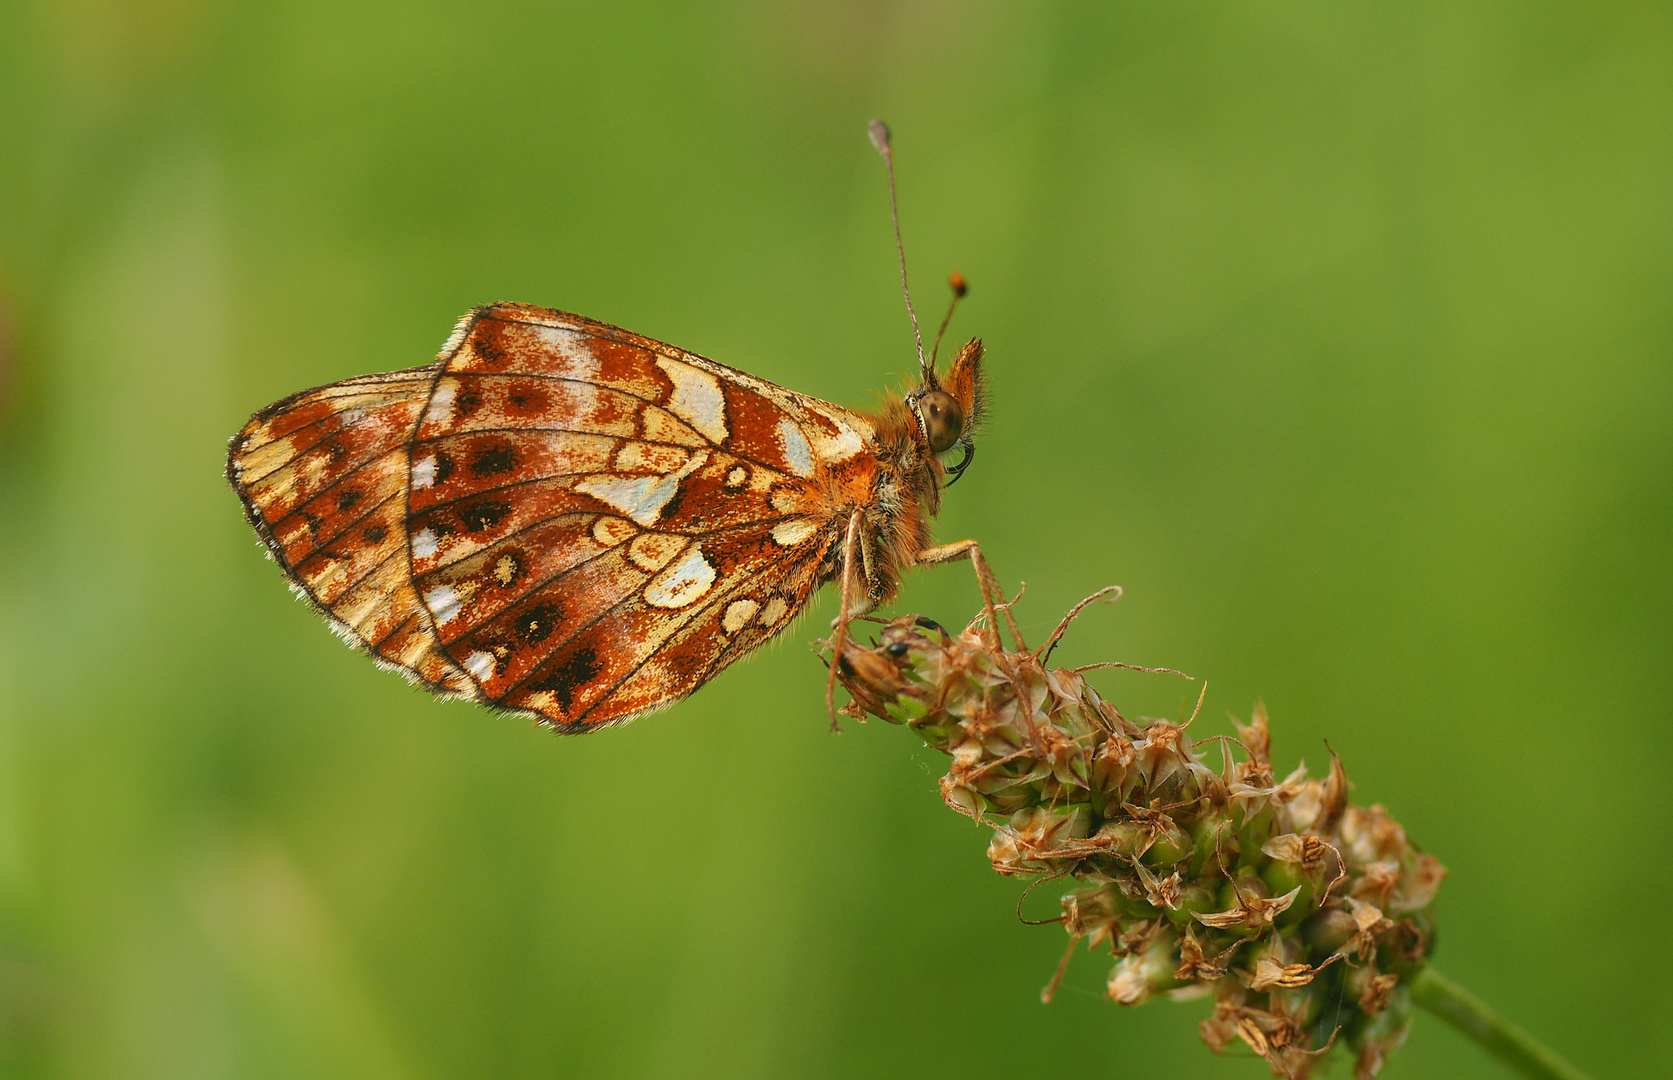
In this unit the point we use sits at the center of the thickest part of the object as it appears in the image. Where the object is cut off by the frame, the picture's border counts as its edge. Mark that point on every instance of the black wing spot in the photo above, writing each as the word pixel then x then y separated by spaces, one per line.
pixel 537 624
pixel 486 348
pixel 346 499
pixel 444 467
pixel 375 534
pixel 497 459
pixel 484 515
pixel 577 671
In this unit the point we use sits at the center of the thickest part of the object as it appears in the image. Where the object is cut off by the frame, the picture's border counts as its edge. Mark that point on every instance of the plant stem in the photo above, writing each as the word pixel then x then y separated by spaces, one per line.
pixel 1498 1036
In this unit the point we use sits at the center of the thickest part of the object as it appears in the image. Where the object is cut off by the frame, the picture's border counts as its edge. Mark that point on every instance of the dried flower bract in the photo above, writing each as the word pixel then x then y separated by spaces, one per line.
pixel 1303 915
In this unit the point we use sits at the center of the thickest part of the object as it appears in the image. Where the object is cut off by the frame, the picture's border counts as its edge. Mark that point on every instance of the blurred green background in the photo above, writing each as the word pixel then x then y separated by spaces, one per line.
pixel 1340 334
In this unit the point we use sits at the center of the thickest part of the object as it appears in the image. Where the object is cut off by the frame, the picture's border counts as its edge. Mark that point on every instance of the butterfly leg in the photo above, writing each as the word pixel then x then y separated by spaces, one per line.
pixel 839 638
pixel 946 553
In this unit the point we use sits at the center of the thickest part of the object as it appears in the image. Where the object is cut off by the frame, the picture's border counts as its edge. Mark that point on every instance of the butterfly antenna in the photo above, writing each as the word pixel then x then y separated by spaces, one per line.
pixel 956 282
pixel 880 138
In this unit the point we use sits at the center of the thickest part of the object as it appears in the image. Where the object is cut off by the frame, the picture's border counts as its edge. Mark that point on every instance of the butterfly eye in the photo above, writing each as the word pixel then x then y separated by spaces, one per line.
pixel 943 420
pixel 896 649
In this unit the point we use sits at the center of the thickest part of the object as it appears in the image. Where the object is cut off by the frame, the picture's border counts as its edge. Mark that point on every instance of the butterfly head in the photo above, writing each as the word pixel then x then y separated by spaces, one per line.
pixel 948 409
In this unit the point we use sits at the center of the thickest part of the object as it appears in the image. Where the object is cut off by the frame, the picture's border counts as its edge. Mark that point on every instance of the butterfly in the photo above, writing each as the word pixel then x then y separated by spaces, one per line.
pixel 569 520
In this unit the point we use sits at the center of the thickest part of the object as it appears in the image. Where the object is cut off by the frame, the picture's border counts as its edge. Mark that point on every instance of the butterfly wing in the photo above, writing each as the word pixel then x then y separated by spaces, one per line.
pixel 558 516
pixel 323 477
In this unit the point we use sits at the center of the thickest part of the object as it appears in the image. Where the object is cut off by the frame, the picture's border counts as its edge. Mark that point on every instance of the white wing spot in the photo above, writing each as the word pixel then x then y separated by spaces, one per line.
pixel 792 532
pixel 578 360
pixel 774 611
pixel 423 544
pixel 441 402
pixel 797 453
pixel 845 445
pixel 424 473
pixel 443 603
pixel 738 614
pixel 480 665
pixel 697 399
pixel 737 477
pixel 641 497
pixel 681 584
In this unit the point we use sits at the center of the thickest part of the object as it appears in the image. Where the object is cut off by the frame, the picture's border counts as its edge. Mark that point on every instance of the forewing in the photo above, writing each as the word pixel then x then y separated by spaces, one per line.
pixel 600 522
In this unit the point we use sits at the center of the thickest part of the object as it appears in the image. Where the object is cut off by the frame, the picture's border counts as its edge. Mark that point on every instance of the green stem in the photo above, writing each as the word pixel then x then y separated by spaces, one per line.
pixel 1496 1035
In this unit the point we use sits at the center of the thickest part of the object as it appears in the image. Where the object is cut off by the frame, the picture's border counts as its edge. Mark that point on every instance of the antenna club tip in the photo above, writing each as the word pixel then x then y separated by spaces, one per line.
pixel 879 132
pixel 956 282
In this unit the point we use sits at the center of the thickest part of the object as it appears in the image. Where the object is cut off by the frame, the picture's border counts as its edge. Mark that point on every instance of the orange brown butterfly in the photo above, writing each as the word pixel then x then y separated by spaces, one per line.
pixel 564 519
